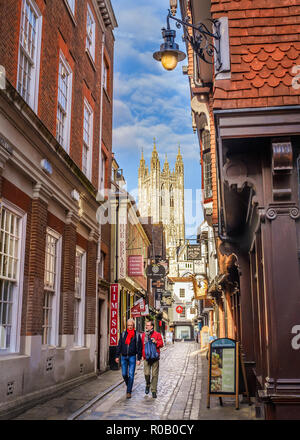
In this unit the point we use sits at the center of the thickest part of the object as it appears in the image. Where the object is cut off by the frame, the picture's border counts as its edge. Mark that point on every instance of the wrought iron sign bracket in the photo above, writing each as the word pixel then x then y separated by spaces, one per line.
pixel 200 42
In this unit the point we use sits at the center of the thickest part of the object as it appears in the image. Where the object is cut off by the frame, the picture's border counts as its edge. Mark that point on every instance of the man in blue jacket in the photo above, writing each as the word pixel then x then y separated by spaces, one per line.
pixel 129 347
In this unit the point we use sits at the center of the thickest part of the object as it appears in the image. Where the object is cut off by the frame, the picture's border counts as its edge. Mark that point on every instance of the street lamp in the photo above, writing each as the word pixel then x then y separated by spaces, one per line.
pixel 169 53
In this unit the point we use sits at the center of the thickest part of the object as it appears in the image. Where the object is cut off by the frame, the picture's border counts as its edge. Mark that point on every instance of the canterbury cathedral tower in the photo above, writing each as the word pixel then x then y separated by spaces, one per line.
pixel 161 196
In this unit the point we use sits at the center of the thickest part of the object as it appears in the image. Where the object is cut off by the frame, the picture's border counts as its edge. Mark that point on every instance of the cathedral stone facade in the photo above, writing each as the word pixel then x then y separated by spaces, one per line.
pixel 161 196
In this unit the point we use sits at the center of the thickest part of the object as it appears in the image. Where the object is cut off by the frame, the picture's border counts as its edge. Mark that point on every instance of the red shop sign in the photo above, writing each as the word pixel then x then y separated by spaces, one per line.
pixel 114 312
pixel 135 265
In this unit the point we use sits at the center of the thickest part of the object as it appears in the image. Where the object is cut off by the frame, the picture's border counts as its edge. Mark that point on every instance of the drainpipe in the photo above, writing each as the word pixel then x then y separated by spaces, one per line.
pixel 99 240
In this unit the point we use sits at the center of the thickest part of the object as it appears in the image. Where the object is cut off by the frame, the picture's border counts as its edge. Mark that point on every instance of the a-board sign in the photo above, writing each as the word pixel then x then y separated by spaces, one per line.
pixel 204 336
pixel 222 366
pixel 226 370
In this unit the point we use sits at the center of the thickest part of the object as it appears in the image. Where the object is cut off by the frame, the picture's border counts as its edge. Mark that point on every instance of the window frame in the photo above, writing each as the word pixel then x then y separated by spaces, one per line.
pixel 93 42
pixel 54 336
pixel 34 86
pixel 105 73
pixel 180 293
pixel 91 134
pixel 72 6
pixel 102 172
pixel 67 127
pixel 101 264
pixel 18 287
pixel 81 313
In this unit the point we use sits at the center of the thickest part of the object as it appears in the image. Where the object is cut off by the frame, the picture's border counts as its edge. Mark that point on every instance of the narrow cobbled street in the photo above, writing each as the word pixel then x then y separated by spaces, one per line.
pixel 181 394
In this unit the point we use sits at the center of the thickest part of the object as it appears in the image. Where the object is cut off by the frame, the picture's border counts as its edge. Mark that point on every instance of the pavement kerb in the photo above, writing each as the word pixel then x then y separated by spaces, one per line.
pixel 93 401
pixel 101 395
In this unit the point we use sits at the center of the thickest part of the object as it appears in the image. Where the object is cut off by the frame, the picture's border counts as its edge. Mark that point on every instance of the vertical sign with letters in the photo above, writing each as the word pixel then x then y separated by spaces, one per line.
pixel 114 313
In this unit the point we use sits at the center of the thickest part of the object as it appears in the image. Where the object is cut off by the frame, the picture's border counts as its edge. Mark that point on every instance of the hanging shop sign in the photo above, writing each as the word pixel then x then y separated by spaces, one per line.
pixel 122 250
pixel 166 301
pixel 135 265
pixel 224 368
pixel 194 252
pixel 200 291
pixel 140 308
pixel 114 313
pixel 155 271
pixel 158 284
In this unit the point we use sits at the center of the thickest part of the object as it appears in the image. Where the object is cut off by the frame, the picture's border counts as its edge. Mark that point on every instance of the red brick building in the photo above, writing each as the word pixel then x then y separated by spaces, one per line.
pixel 55 149
pixel 247 116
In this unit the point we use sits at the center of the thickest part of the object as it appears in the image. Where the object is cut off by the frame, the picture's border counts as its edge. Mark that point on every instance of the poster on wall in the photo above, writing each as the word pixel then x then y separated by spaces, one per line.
pixel 114 313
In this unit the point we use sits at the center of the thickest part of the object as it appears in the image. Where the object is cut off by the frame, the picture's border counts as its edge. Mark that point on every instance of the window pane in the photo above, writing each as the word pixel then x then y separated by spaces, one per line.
pixel 50 262
pixel 6 304
pixel 47 321
pixel 9 244
pixel 28 43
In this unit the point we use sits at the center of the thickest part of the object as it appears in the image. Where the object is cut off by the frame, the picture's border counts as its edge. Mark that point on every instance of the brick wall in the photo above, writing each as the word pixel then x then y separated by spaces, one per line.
pixel 90 303
pixel 37 240
pixel 59 33
pixel 264 48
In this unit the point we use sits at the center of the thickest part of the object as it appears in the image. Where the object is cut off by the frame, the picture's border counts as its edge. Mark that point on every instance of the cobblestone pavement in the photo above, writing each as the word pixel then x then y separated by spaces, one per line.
pixel 181 394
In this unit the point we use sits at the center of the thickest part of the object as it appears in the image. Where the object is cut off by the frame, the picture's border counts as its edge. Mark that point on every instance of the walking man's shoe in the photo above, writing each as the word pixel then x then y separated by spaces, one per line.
pixel 128 396
pixel 154 395
pixel 147 389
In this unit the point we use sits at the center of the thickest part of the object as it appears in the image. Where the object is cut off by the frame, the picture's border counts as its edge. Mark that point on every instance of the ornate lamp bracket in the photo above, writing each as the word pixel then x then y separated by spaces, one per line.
pixel 201 40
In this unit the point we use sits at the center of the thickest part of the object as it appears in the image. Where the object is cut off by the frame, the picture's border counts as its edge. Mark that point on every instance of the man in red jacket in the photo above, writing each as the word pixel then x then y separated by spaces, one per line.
pixel 154 365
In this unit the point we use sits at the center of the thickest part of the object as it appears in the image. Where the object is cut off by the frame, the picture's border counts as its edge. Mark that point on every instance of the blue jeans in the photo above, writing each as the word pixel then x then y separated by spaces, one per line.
pixel 128 363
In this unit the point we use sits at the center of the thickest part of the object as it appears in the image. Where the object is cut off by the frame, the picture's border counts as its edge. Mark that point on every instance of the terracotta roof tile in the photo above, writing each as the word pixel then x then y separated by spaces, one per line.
pixel 257 65
pixel 293 54
pixel 286 63
pixel 262 55
pixel 258 82
pixel 265 72
pixel 264 46
pixel 256 49
pixel 287 80
pixel 291 100
pixel 277 55
pixel 250 75
pixel 273 81
pixel 249 57
pixel 271 64
pixel 265 90
pixel 269 48
pixel 279 72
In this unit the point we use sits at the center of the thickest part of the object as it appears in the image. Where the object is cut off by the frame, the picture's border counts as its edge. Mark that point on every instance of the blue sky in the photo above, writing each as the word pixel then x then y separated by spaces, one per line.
pixel 151 102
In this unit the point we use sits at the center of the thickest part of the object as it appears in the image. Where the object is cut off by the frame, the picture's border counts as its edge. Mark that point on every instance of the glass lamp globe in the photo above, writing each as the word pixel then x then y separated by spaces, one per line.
pixel 169 60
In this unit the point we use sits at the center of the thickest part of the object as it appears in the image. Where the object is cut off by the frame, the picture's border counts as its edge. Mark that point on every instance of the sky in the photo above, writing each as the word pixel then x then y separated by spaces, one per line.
pixel 150 102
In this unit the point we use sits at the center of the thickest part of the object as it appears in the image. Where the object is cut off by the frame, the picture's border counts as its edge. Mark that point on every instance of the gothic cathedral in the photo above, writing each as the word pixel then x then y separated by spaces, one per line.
pixel 161 196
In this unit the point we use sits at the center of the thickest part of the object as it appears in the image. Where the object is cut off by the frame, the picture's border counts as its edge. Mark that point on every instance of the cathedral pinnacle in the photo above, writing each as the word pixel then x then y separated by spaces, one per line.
pixel 142 161
pixel 179 162
pixel 154 159
pixel 166 164
pixel 179 157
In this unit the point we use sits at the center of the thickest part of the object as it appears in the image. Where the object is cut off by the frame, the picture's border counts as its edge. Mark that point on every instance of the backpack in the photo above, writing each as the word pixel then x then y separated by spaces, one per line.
pixel 151 352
